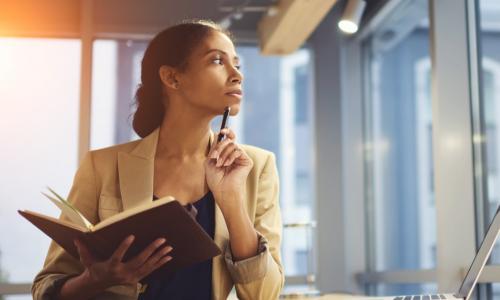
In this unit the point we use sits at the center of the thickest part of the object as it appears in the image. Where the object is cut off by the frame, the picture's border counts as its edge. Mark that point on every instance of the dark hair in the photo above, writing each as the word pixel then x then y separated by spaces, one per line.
pixel 172 47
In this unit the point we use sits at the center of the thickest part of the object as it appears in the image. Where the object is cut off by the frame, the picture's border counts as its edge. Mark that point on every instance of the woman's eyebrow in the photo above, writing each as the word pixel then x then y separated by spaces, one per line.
pixel 236 58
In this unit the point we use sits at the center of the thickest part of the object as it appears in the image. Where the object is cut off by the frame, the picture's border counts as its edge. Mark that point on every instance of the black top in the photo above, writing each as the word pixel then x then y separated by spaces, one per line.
pixel 194 282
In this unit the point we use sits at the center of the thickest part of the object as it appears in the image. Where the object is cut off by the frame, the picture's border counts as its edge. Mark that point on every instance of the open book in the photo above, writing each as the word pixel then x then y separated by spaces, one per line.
pixel 164 217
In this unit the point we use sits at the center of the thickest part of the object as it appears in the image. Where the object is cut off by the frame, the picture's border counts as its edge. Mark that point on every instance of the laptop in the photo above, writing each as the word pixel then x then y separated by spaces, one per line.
pixel 475 269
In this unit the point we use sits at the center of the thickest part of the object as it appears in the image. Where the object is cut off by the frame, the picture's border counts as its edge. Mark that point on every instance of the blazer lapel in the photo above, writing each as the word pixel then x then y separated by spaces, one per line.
pixel 136 170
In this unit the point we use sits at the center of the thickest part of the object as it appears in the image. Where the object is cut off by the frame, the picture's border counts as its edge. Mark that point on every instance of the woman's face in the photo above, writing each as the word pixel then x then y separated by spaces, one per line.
pixel 212 74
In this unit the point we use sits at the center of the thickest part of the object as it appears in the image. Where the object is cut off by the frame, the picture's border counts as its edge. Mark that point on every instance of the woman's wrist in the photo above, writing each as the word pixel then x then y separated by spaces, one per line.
pixel 92 283
pixel 242 235
pixel 230 202
pixel 81 287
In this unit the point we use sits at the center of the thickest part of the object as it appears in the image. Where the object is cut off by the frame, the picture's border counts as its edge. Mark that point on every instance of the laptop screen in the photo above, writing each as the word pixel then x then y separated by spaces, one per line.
pixel 481 257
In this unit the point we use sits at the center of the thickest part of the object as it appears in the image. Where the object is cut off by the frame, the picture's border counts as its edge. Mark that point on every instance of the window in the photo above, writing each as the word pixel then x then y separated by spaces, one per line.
pixel 39 96
pixel 398 138
pixel 489 39
pixel 489 58
pixel 116 72
pixel 276 115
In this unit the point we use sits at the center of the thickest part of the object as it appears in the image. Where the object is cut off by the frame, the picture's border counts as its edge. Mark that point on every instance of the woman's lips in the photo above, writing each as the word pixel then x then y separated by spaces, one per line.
pixel 236 95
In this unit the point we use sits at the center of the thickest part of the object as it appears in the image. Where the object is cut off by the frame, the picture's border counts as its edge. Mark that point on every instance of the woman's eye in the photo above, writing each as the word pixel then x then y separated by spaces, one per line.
pixel 238 67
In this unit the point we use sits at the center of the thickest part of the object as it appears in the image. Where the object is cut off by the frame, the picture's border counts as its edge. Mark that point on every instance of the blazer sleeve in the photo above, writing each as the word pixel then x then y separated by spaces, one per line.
pixel 59 266
pixel 261 276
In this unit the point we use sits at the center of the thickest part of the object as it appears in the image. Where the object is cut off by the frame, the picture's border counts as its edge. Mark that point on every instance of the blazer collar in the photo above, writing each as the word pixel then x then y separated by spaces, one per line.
pixel 146 147
pixel 135 171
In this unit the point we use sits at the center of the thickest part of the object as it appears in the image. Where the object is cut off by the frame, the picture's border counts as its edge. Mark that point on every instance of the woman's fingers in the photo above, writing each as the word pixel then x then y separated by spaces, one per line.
pixel 229 133
pixel 85 256
pixel 156 260
pixel 142 257
pixel 226 152
pixel 232 157
pixel 217 148
pixel 149 269
pixel 117 256
pixel 162 260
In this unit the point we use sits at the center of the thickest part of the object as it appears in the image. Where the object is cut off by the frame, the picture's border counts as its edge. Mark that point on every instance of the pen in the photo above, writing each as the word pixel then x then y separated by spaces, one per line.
pixel 223 125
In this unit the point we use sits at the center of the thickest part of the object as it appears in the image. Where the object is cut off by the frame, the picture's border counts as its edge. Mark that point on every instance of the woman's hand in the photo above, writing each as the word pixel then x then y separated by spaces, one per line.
pixel 226 168
pixel 113 271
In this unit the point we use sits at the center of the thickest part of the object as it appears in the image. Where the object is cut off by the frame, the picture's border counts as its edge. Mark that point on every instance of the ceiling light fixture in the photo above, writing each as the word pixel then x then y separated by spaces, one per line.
pixel 351 17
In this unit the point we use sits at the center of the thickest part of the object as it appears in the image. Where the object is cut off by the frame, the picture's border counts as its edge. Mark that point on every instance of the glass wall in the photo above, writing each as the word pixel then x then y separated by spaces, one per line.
pixel 489 39
pixel 489 60
pixel 276 115
pixel 398 141
pixel 39 96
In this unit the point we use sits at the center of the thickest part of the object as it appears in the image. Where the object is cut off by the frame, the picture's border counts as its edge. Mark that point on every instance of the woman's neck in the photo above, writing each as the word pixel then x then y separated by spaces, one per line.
pixel 183 135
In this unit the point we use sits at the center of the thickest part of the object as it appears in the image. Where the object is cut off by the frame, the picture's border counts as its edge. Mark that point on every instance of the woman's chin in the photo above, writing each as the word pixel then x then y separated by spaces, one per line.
pixel 235 108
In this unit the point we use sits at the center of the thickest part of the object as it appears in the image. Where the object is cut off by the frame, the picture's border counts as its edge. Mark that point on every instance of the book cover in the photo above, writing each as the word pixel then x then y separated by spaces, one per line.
pixel 162 218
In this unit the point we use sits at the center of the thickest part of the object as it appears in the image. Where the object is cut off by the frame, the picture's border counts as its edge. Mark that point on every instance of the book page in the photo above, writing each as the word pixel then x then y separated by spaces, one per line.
pixel 130 212
pixel 69 210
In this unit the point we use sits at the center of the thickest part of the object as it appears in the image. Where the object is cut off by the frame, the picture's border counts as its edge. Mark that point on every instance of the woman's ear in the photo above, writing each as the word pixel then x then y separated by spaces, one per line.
pixel 168 77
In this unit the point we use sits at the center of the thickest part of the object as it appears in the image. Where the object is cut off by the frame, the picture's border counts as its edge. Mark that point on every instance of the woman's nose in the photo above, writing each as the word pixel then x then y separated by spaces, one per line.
pixel 236 79
pixel 237 76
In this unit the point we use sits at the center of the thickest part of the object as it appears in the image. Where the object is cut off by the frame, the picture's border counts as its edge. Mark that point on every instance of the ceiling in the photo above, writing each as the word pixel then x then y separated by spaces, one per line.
pixel 109 17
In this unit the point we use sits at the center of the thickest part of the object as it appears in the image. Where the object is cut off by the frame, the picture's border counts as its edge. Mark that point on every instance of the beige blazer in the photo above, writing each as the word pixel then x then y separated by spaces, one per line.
pixel 117 178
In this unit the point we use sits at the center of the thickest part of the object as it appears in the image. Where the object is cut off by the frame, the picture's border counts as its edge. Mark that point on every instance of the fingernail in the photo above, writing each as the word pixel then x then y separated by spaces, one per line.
pixel 130 238
pixel 214 154
pixel 161 241
pixel 219 163
pixel 227 163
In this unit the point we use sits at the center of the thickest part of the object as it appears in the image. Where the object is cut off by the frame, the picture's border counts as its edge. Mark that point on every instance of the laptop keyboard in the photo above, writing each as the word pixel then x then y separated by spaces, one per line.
pixel 421 297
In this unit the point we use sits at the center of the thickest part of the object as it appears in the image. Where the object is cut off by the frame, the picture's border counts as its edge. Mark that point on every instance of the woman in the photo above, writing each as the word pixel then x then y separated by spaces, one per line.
pixel 189 74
